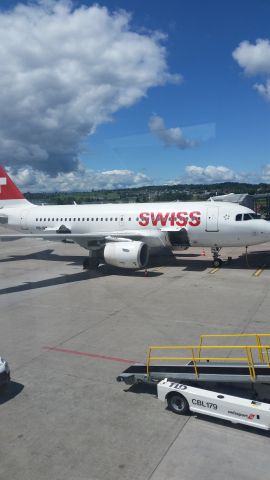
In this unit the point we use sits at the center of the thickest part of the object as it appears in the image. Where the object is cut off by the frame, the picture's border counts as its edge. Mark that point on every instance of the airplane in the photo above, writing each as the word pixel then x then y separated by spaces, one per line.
pixel 123 235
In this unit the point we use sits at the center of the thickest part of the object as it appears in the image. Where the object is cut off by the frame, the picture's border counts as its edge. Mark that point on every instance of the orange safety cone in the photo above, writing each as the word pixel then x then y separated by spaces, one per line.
pixel 203 252
pixel 145 272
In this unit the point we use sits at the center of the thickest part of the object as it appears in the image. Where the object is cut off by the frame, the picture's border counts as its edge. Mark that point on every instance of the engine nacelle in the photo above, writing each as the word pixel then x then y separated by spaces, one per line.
pixel 126 254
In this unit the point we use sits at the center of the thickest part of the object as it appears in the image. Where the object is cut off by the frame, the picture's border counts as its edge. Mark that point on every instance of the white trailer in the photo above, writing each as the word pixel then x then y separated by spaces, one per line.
pixel 182 398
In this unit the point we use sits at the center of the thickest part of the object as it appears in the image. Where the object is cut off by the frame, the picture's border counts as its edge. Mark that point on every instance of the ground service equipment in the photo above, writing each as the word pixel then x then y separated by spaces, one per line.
pixel 183 398
pixel 237 361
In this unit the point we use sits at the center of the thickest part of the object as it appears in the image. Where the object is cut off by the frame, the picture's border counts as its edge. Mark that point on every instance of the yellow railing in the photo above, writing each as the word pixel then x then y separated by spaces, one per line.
pixel 196 358
pixel 258 337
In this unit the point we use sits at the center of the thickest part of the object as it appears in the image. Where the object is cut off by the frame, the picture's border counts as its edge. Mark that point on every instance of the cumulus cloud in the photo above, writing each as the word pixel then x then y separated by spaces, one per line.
pixel 209 174
pixel 29 179
pixel 263 89
pixel 255 60
pixel 265 176
pixel 64 71
pixel 169 136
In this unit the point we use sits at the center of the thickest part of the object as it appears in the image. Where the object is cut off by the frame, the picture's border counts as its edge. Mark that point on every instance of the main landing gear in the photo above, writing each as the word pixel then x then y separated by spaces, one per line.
pixel 90 262
pixel 217 262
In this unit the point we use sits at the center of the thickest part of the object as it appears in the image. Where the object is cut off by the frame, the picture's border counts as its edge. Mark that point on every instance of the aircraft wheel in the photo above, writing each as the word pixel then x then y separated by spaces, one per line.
pixel 178 404
pixel 89 263
pixel 217 262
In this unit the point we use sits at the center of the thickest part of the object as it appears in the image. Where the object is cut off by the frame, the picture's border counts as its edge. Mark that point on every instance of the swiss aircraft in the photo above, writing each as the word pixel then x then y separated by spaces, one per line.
pixel 123 235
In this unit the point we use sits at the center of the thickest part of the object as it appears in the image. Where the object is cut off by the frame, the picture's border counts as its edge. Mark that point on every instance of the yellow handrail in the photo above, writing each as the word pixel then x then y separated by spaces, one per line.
pixel 248 357
pixel 256 336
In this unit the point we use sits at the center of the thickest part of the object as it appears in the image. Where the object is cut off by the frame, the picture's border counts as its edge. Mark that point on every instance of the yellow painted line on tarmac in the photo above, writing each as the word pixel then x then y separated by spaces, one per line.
pixel 259 271
pixel 214 270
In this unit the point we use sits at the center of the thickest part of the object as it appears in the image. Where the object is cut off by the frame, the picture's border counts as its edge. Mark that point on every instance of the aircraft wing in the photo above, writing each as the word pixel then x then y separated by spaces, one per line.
pixel 81 238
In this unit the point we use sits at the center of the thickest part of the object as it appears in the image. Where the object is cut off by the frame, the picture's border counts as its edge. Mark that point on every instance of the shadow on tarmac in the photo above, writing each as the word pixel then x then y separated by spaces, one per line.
pixel 186 261
pixel 235 426
pixel 140 388
pixel 87 275
pixel 11 391
pixel 46 255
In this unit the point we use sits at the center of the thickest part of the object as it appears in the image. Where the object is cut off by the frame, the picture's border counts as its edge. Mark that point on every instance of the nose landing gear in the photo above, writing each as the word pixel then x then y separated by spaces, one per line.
pixel 217 262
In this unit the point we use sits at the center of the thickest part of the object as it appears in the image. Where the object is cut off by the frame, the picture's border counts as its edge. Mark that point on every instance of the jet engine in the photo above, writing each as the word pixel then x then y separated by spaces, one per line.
pixel 126 254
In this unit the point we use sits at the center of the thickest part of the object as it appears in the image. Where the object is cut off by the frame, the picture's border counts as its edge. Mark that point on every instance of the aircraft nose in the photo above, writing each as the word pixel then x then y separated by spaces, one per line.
pixel 264 230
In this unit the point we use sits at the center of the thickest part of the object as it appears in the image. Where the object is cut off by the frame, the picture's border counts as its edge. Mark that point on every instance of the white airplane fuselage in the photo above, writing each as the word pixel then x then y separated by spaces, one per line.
pixel 208 224
pixel 123 235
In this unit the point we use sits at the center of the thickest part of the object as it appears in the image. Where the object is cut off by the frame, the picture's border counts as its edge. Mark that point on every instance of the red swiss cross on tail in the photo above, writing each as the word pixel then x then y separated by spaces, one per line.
pixel 10 195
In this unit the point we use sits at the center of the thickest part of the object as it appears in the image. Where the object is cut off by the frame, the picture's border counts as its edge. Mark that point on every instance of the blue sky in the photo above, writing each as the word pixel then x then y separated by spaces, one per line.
pixel 213 125
pixel 201 39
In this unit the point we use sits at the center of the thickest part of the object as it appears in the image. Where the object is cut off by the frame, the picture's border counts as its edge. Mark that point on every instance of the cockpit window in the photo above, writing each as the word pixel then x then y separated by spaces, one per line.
pixel 246 216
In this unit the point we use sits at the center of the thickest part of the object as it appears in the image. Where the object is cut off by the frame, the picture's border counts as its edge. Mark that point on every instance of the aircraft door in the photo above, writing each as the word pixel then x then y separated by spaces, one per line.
pixel 24 223
pixel 212 219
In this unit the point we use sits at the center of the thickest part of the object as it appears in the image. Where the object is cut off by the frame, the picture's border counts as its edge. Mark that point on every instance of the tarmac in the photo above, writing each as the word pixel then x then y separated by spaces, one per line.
pixel 67 335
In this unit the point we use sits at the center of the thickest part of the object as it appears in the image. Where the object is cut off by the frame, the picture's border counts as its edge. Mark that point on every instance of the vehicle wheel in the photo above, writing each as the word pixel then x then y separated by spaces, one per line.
pixel 178 404
pixel 217 262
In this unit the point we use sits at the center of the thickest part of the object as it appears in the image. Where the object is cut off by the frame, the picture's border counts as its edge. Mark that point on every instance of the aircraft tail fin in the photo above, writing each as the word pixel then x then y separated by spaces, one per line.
pixel 10 195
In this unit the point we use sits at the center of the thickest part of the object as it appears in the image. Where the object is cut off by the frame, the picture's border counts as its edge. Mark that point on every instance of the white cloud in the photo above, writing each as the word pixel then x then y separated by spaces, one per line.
pixel 209 174
pixel 83 179
pixel 64 71
pixel 263 90
pixel 169 136
pixel 255 60
pixel 265 176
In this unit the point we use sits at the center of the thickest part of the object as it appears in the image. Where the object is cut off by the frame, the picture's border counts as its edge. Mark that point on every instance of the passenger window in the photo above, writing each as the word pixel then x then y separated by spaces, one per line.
pixel 74 219
pixel 52 219
pixel 70 219
pixel 87 219
pixel 57 219
pixel 82 219
pixel 238 217
pixel 247 216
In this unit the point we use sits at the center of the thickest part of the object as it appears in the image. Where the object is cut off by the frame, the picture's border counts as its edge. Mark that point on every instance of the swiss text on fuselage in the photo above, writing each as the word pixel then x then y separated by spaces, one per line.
pixel 180 219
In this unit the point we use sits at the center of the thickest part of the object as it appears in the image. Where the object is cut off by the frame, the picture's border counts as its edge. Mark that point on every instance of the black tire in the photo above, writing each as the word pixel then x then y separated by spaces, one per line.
pixel 217 262
pixel 178 404
pixel 89 263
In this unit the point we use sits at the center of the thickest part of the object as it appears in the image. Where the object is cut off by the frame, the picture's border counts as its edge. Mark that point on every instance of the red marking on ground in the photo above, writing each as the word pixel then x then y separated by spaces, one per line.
pixel 87 354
